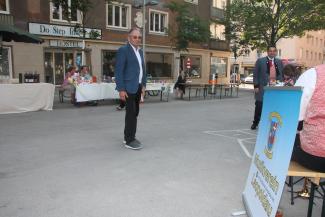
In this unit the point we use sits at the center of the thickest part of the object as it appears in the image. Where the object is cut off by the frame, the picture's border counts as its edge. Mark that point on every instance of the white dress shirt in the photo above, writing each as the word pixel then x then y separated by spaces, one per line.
pixel 137 53
pixel 308 81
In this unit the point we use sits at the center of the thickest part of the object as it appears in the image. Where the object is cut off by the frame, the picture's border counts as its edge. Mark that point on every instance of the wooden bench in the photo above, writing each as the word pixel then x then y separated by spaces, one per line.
pixel 296 170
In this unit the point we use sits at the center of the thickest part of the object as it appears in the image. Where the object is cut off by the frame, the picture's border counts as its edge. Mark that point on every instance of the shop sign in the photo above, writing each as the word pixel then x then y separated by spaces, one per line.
pixel 65 43
pixel 63 31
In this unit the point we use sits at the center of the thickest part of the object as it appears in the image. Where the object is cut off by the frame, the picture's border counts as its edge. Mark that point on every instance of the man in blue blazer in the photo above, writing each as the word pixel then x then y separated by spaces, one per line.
pixel 267 71
pixel 130 77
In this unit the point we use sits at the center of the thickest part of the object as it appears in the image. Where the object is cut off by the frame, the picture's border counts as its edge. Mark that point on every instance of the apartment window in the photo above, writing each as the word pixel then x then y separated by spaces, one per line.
pixel 59 14
pixel 4 6
pixel 217 31
pixel 307 54
pixel 320 56
pixel 118 15
pixel 192 1
pixel 316 41
pixel 219 4
pixel 315 56
pixel 311 55
pixel 320 42
pixel 158 21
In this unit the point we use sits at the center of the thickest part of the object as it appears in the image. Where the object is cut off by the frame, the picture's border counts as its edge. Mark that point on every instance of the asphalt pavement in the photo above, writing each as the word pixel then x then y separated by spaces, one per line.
pixel 70 162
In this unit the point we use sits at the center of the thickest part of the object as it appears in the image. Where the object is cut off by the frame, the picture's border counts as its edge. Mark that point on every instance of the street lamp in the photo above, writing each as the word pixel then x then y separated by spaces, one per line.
pixel 144 4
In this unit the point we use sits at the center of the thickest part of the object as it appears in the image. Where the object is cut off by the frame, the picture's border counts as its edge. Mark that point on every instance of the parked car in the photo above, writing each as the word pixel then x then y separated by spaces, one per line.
pixel 249 79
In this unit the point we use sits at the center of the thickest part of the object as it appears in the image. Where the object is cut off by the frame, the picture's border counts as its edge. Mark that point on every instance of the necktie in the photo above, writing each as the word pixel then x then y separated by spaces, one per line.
pixel 272 72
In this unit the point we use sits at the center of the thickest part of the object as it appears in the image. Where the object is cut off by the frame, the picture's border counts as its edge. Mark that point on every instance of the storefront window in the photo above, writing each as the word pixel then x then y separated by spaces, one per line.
pixel 59 70
pixel 5 63
pixel 78 59
pixel 48 64
pixel 191 66
pixel 159 65
pixel 108 64
pixel 219 66
pixel 57 62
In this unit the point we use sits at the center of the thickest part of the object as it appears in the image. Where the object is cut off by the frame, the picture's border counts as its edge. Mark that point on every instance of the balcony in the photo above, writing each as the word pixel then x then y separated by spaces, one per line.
pixel 217 13
pixel 215 44
pixel 6 19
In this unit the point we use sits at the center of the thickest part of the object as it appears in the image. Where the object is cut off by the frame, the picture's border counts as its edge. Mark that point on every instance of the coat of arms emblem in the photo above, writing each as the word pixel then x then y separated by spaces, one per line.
pixel 275 123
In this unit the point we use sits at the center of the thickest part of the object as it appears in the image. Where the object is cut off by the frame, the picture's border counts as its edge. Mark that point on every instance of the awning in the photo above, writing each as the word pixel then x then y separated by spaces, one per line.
pixel 11 33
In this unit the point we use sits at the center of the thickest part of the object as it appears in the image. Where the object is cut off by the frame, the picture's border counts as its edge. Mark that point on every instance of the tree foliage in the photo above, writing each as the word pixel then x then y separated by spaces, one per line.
pixel 188 28
pixel 261 23
pixel 84 6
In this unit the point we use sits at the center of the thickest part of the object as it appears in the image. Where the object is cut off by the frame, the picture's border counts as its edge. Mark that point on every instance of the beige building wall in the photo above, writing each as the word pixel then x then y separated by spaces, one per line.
pixel 26 58
pixel 307 51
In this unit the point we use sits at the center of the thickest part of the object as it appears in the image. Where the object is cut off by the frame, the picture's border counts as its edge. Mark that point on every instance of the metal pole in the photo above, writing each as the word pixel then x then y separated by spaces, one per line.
pixel 144 31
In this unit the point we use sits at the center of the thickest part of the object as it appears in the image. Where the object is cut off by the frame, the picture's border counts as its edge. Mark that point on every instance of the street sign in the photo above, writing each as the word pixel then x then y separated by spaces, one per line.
pixel 188 63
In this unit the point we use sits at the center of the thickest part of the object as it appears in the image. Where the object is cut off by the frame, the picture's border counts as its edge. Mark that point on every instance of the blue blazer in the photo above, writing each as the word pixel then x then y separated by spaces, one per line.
pixel 261 75
pixel 127 70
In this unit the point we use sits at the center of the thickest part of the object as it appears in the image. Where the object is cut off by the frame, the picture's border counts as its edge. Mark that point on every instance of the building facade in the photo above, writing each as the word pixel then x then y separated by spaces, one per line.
pixel 106 28
pixel 306 51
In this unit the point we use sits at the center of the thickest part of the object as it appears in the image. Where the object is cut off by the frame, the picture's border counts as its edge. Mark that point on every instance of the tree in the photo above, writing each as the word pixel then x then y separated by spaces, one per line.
pixel 262 23
pixel 70 10
pixel 238 45
pixel 188 28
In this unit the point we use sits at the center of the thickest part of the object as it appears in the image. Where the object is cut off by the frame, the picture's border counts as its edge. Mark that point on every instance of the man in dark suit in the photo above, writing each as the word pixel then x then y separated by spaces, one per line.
pixel 267 71
pixel 131 79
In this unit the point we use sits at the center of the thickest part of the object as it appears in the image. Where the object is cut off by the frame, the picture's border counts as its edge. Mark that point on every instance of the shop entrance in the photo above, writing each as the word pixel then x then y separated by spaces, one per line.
pixel 57 62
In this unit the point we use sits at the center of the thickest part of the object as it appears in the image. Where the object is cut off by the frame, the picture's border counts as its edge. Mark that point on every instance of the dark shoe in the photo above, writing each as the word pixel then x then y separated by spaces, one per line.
pixel 92 103
pixel 134 145
pixel 254 126
pixel 119 108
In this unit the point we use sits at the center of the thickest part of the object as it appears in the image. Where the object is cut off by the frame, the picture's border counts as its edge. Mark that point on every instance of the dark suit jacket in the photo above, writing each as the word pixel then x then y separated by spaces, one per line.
pixel 261 75
pixel 127 70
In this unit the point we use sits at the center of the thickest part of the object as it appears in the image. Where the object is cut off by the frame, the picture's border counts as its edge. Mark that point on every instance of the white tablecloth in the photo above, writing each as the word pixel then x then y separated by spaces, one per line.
pixel 97 91
pixel 17 98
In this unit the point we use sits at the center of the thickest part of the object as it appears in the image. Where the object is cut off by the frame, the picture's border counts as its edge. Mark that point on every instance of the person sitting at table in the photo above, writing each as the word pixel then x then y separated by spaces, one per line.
pixel 68 84
pixel 180 84
pixel 290 75
pixel 84 74
pixel 309 149
pixel 86 77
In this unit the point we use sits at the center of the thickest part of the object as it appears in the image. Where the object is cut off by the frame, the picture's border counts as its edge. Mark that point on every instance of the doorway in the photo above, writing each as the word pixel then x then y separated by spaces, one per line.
pixel 57 62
